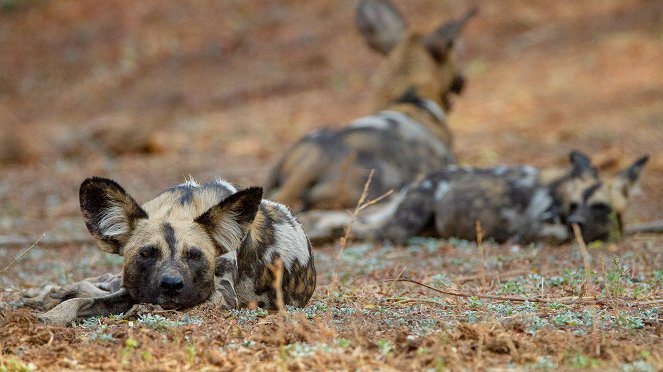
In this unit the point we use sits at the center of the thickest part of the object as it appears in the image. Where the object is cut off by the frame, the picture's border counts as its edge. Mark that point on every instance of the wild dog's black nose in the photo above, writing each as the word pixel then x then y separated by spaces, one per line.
pixel 171 285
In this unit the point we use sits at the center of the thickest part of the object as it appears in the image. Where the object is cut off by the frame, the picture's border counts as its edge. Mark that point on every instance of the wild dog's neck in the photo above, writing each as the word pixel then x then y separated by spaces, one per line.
pixel 425 111
pixel 429 106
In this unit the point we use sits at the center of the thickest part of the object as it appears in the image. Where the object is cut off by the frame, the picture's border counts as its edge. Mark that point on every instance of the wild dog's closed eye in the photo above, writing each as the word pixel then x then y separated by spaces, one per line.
pixel 148 251
pixel 194 254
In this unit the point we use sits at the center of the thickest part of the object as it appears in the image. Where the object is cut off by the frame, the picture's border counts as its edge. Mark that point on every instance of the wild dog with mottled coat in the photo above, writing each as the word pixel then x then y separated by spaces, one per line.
pixel 193 244
pixel 512 203
pixel 406 138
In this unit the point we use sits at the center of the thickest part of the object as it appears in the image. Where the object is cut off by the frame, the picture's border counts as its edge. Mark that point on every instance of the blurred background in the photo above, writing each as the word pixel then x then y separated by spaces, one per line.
pixel 149 92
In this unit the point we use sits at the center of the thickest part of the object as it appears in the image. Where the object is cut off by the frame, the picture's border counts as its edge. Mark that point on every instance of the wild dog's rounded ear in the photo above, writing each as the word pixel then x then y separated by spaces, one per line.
pixel 381 24
pixel 627 178
pixel 229 221
pixel 109 213
pixel 632 172
pixel 440 41
pixel 581 164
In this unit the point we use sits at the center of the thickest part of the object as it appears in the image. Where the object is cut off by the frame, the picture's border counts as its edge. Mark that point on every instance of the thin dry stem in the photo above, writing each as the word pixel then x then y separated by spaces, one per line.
pixel 563 301
pixel 21 255
pixel 589 287
pixel 482 266
pixel 277 269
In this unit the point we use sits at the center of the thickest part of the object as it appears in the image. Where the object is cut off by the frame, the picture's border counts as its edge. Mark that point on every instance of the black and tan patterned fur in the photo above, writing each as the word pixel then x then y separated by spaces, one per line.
pixel 406 137
pixel 512 203
pixel 194 244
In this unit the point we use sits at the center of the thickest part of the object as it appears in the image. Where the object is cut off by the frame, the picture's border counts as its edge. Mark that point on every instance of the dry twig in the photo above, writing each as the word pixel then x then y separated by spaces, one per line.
pixel 563 301
pixel 21 255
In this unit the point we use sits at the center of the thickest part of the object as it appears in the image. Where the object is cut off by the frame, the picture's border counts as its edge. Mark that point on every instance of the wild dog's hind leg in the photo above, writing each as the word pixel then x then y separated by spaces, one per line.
pixel 414 213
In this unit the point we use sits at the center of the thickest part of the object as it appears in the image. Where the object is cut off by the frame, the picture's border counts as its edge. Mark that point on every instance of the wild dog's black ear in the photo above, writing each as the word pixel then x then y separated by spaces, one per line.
pixel 229 221
pixel 381 24
pixel 632 172
pixel 630 175
pixel 109 213
pixel 440 41
pixel 581 164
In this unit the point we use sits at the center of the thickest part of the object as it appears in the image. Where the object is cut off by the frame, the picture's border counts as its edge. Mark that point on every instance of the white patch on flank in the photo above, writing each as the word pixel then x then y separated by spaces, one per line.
pixel 280 207
pixel 531 174
pixel 441 191
pixel 427 184
pixel 225 184
pixel 372 121
pixel 539 204
pixel 291 244
pixel 114 222
pixel 435 110
pixel 500 170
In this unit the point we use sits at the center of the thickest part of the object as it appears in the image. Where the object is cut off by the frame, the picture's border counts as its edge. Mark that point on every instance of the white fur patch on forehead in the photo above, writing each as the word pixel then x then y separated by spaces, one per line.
pixel 226 185
pixel 114 222
pixel 190 182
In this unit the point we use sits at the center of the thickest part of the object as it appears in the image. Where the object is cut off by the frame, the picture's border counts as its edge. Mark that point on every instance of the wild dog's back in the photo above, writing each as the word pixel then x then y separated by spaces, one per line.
pixel 406 138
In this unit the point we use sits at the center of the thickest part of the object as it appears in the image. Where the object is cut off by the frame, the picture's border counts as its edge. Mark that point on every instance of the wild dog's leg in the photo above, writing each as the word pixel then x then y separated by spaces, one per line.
pixel 50 295
pixel 414 212
pixel 68 311
pixel 299 170
pixel 225 276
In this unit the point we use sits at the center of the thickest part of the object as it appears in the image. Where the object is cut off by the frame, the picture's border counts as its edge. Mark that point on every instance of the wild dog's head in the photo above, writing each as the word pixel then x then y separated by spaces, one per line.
pixel 427 64
pixel 600 210
pixel 171 242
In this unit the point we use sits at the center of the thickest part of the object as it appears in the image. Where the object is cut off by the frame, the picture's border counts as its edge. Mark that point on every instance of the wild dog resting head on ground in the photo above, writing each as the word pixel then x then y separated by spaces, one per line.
pixel 193 244
pixel 409 137
pixel 513 203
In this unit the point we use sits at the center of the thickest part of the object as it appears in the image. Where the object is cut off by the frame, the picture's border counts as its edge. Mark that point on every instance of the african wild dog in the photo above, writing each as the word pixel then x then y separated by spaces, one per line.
pixel 196 243
pixel 406 138
pixel 600 211
pixel 512 203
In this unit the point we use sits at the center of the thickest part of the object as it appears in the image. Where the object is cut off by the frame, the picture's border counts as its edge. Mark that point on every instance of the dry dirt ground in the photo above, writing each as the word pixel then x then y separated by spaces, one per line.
pixel 149 92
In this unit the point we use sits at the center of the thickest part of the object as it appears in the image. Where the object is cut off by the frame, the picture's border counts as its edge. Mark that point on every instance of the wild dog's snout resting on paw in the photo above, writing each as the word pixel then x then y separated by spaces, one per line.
pixel 191 244
pixel 517 203
pixel 406 137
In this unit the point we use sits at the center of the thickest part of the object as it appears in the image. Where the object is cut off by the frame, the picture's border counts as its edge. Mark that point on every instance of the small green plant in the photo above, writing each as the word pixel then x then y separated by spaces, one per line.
pixel 511 287
pixel 475 302
pixel 441 280
pixel 615 278
pixel 581 361
pixel 15 365
pixel 543 363
pixel 158 322
pixel 130 344
pixel 191 352
pixel 557 306
pixel 385 347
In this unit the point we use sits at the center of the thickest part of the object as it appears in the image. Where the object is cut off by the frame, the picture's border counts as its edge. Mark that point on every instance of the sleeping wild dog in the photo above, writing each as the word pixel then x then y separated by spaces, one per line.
pixel 191 244
pixel 513 203
pixel 406 138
